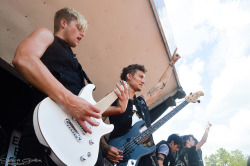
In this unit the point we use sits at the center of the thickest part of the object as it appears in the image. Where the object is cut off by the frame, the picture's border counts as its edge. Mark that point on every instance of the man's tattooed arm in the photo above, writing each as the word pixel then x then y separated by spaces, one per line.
pixel 153 91
pixel 156 89
pixel 163 86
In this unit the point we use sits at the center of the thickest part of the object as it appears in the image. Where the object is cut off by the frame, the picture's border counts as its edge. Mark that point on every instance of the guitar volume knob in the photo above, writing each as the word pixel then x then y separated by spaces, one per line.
pixel 83 158
pixel 91 142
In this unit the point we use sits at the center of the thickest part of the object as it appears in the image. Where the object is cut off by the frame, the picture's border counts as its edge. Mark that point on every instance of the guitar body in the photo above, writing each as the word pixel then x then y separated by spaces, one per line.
pixel 69 144
pixel 133 154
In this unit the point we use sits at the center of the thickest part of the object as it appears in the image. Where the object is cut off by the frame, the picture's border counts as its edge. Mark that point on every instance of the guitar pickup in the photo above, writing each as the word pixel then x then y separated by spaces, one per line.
pixel 73 129
pixel 78 124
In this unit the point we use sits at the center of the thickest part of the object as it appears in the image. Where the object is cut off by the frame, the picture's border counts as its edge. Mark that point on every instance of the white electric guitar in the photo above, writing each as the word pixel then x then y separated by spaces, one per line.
pixel 56 129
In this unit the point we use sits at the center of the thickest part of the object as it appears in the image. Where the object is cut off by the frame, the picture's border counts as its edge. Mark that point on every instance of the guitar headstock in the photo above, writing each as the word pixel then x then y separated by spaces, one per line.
pixel 193 97
pixel 127 85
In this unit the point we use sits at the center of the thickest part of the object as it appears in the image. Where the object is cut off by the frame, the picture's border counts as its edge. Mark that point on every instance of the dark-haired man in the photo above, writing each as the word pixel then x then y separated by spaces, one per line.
pixel 165 150
pixel 137 108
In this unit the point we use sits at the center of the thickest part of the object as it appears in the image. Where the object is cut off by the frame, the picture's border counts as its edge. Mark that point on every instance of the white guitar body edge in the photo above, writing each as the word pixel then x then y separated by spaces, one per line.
pixel 52 132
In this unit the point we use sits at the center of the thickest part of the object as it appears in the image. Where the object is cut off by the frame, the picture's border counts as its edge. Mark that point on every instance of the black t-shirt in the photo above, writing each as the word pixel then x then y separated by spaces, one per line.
pixel 193 158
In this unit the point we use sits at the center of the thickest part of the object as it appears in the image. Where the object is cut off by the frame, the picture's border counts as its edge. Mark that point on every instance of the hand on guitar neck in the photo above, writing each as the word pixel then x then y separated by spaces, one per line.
pixel 122 93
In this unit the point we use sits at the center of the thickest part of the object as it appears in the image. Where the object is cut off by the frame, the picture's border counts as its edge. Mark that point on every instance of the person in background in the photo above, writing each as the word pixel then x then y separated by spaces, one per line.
pixel 166 149
pixel 191 148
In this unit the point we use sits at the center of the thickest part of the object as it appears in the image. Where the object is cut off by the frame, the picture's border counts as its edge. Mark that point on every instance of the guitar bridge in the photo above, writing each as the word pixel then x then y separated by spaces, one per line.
pixel 73 129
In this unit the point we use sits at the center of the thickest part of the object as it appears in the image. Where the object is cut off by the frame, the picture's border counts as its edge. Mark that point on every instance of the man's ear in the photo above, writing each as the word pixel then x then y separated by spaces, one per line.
pixel 63 23
pixel 129 76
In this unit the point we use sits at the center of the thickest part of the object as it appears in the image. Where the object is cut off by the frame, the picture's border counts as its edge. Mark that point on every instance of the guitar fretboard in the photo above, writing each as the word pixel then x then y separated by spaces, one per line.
pixel 106 101
pixel 107 163
pixel 140 138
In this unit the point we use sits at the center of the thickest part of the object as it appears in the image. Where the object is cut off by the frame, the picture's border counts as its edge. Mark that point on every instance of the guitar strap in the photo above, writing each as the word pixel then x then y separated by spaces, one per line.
pixel 86 77
pixel 83 73
pixel 144 113
pixel 143 110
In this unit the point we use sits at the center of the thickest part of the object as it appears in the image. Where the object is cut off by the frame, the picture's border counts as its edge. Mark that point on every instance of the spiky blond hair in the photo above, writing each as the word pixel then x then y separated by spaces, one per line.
pixel 69 14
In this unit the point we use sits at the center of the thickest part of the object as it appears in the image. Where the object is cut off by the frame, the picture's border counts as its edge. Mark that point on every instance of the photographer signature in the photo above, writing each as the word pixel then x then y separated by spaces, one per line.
pixel 25 161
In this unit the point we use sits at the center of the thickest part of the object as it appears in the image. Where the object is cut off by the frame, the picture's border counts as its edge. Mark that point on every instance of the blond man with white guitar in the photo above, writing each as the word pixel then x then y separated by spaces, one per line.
pixel 46 61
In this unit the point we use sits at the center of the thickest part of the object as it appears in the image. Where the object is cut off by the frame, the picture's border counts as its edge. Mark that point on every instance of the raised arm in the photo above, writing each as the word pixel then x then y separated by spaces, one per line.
pixel 204 138
pixel 151 96
pixel 27 62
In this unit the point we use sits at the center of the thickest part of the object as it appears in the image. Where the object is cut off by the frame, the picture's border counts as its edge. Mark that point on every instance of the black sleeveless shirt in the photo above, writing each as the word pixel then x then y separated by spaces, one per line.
pixel 64 66
pixel 122 122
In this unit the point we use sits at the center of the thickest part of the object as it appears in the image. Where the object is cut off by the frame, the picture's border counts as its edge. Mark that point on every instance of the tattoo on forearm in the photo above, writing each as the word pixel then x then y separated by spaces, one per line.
pixel 152 92
pixel 105 151
pixel 163 86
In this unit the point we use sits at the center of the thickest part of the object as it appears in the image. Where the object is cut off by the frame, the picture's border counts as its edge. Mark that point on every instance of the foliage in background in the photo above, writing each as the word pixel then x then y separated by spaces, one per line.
pixel 224 158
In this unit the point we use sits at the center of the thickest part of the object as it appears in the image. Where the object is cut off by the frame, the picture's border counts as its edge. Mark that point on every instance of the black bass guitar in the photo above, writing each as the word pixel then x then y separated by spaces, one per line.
pixel 132 143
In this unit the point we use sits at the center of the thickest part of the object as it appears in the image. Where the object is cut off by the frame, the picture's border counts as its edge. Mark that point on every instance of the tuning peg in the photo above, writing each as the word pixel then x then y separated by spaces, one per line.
pixel 198 101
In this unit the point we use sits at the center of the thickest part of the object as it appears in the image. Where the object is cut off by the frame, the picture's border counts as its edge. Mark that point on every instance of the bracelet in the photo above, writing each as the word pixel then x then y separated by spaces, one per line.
pixel 170 64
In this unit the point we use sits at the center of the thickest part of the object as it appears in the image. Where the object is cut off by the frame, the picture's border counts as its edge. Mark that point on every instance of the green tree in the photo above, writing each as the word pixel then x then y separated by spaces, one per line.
pixel 224 158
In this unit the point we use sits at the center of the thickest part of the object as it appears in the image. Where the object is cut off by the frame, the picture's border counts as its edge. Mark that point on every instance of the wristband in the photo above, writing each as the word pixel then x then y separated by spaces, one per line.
pixel 160 158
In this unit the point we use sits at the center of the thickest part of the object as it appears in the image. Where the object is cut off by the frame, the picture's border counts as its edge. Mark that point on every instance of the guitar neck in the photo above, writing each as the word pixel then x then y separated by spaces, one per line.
pixel 106 101
pixel 140 138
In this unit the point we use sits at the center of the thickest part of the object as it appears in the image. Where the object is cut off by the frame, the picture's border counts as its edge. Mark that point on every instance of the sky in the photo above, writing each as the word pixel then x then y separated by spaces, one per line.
pixel 212 37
